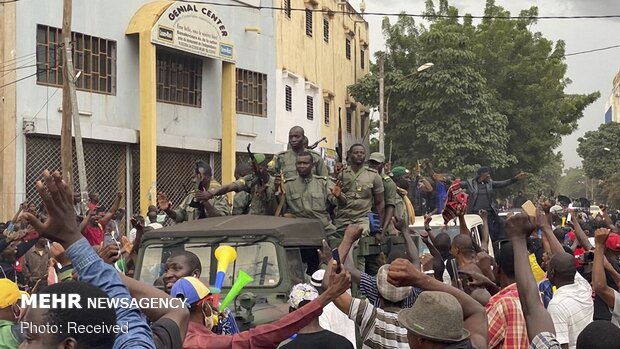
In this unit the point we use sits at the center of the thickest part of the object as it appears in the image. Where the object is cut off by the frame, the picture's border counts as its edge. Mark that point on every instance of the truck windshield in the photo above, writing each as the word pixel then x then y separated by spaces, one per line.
pixel 259 260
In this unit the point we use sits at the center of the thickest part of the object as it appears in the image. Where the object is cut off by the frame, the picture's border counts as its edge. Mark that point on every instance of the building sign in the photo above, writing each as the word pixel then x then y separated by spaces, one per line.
pixel 194 28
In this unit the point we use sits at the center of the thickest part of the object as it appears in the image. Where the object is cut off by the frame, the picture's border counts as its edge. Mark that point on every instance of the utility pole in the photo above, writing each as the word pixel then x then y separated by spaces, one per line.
pixel 381 107
pixel 70 111
pixel 65 131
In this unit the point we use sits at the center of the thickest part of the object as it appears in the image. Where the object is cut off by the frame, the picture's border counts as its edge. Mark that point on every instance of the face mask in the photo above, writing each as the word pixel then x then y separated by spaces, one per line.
pixel 209 318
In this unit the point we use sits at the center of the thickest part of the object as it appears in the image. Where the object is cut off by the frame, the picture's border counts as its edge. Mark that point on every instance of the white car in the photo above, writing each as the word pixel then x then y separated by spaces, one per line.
pixel 474 224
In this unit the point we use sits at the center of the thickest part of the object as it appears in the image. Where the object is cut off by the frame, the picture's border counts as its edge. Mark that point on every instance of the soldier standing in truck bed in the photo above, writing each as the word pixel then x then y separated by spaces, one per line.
pixel 285 162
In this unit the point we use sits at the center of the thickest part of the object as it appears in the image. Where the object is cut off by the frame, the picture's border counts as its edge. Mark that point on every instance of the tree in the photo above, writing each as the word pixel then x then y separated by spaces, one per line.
pixel 495 95
pixel 598 162
pixel 573 183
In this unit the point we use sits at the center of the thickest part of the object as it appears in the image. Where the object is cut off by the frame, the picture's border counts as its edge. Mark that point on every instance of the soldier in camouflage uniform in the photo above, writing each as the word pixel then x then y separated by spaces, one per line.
pixel 196 204
pixel 362 187
pixel 390 195
pixel 262 196
pixel 308 195
pixel 242 199
pixel 286 161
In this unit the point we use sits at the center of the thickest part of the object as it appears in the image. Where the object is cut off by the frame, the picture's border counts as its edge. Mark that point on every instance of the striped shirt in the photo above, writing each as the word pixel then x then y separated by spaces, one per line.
pixel 368 287
pixel 571 309
pixel 378 328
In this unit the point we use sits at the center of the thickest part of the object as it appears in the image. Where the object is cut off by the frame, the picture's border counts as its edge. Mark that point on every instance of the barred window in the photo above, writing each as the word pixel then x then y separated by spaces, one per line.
pixel 309 22
pixel 327 110
pixel 251 93
pixel 288 94
pixel 179 78
pixel 349 121
pixel 362 58
pixel 326 29
pixel 94 57
pixel 287 8
pixel 347 48
pixel 310 107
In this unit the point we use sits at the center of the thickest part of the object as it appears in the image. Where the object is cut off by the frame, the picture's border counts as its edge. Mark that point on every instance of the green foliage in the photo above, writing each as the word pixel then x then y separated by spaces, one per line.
pixel 573 183
pixel 495 95
pixel 598 162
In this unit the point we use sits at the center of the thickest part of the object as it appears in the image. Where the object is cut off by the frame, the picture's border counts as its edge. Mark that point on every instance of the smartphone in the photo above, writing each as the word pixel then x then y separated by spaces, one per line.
pixel 336 257
pixel 529 208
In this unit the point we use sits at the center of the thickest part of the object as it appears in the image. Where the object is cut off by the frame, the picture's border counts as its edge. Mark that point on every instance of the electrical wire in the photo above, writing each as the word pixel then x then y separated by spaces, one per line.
pixel 396 14
pixel 21 79
pixel 592 50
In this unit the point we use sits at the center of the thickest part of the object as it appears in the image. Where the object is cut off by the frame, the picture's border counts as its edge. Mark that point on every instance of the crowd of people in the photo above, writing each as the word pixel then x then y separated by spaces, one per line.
pixel 549 280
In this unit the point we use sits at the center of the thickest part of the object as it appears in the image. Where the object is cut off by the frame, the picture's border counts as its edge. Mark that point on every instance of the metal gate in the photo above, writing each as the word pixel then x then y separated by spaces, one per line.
pixel 106 166
pixel 175 169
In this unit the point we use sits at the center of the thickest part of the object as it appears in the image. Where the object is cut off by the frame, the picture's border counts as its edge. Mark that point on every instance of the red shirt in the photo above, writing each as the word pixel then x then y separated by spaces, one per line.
pixel 94 234
pixel 266 336
pixel 507 328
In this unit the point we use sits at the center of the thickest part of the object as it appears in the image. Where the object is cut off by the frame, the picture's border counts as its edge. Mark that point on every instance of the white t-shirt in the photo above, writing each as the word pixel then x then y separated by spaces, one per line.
pixel 338 322
pixel 615 313
pixel 571 309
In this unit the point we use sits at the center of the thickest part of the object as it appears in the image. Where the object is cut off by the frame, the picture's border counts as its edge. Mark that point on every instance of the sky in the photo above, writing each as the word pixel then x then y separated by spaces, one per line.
pixel 589 72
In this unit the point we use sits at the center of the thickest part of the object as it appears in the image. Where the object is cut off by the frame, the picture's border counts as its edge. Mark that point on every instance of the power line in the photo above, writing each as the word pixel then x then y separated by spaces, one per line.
pixel 8 2
pixel 24 78
pixel 592 50
pixel 397 14
pixel 33 118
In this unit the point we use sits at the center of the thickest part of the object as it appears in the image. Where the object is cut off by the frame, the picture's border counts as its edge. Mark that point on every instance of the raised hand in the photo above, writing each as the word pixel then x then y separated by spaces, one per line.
pixel 57 197
pixel 163 201
pixel 399 224
pixel 521 175
pixel 337 189
pixel 519 226
pixel 325 253
pixel 483 214
pixel 110 253
pixel 600 236
pixel 403 273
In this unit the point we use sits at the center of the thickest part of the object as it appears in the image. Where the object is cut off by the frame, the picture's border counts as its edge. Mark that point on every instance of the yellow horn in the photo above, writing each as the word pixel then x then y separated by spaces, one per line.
pixel 224 255
pixel 242 280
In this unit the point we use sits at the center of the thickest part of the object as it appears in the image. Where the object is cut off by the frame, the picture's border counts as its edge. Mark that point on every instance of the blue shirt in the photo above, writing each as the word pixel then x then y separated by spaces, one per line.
pixel 95 271
pixel 442 192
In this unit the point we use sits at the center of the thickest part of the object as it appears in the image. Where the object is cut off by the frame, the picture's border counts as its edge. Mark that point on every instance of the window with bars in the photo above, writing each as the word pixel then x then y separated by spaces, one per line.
pixel 287 8
pixel 309 22
pixel 327 108
pixel 347 48
pixel 288 95
pixel 94 57
pixel 179 78
pixel 326 29
pixel 349 121
pixel 251 93
pixel 310 107
pixel 362 58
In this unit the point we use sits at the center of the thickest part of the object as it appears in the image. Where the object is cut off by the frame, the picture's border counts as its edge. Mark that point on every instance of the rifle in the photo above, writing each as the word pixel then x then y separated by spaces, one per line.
pixel 316 144
pixel 280 207
pixel 256 170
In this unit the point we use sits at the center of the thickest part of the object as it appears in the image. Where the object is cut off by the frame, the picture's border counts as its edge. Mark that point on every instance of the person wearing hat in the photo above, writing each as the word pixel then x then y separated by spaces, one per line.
pixel 332 318
pixel 198 204
pixel 242 199
pixel 312 335
pixel 260 186
pixel 9 313
pixel 310 196
pixel 480 190
pixel 286 160
pixel 404 208
pixel 390 194
pixel 267 336
pixel 363 188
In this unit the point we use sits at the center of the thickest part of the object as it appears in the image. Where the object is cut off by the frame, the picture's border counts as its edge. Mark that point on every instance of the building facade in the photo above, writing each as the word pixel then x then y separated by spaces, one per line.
pixel 161 85
pixel 612 107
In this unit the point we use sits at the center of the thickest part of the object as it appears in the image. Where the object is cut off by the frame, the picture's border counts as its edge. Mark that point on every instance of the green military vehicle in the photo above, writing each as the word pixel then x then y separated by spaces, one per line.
pixel 276 252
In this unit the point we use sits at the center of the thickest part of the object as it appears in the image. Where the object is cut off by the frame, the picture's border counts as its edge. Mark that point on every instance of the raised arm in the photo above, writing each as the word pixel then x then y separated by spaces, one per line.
pixel 555 246
pixel 412 250
pixel 117 202
pixel 463 229
pixel 502 184
pixel 537 318
pixel 351 234
pixel 579 234
pixel 599 280
pixel 403 273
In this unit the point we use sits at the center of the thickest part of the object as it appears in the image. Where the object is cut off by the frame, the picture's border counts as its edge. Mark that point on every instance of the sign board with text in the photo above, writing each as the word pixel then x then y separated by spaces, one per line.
pixel 194 28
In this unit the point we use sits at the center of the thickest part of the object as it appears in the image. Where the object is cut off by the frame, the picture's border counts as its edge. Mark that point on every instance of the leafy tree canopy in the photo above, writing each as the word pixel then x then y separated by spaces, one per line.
pixel 600 151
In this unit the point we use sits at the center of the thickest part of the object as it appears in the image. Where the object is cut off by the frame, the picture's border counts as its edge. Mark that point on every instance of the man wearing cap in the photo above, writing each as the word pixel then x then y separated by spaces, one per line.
pixel 480 190
pixel 332 318
pixel 9 312
pixel 261 187
pixel 313 335
pixel 197 204
pixel 268 336
pixel 309 196
pixel 363 188
pixel 286 160
pixel 607 244
pixel 390 194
